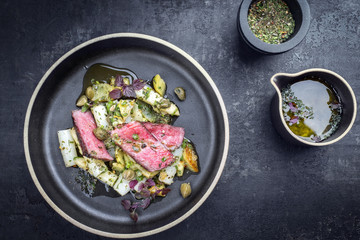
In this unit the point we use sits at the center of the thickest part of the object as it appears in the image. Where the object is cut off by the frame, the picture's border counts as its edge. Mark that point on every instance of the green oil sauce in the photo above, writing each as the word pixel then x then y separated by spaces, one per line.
pixel 312 109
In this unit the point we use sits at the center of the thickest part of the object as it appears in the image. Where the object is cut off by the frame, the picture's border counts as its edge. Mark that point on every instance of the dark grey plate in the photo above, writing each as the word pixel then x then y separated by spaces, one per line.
pixel 203 116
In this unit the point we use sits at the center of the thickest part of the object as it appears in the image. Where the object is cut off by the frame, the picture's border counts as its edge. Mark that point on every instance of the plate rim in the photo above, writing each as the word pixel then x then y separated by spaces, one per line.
pixel 156 230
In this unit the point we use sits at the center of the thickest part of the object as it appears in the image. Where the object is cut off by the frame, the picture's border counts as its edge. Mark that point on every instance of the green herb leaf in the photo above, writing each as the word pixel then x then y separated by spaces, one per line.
pixel 135 136
pixel 85 107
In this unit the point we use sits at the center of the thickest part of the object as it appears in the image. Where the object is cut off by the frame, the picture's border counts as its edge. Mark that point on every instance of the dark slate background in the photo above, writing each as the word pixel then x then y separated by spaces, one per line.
pixel 269 189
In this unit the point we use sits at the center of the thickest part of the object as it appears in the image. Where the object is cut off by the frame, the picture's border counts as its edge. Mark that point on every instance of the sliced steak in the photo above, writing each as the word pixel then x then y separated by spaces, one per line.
pixel 170 136
pixel 91 146
pixel 142 146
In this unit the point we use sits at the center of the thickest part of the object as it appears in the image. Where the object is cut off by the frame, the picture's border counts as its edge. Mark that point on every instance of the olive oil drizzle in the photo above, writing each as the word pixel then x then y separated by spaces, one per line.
pixel 103 73
pixel 312 109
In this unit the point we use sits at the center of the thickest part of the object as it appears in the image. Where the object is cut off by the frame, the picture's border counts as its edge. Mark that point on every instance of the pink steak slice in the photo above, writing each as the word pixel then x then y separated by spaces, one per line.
pixel 84 123
pixel 142 146
pixel 170 136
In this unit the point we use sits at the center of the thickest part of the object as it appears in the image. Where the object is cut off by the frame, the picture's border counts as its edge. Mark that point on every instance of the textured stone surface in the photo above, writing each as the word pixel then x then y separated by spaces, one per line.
pixel 269 189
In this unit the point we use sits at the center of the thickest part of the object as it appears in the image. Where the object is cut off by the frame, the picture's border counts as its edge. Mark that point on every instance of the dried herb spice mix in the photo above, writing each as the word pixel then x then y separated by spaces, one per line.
pixel 271 21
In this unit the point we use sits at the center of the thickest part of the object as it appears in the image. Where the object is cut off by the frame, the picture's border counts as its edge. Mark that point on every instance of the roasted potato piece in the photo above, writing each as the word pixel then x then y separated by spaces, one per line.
pixel 150 96
pixel 180 168
pixel 167 175
pixel 81 163
pixel 100 92
pixel 95 166
pixel 119 156
pixel 108 177
pixel 153 189
pixel 125 106
pixel 117 167
pixel 130 163
pixel 159 85
pixel 190 158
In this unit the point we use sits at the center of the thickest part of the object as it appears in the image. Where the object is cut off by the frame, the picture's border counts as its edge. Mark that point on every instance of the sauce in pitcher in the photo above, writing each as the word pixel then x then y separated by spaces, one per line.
pixel 311 108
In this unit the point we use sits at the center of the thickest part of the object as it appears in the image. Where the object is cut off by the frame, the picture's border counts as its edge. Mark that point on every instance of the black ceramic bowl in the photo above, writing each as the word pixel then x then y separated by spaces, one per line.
pixel 301 14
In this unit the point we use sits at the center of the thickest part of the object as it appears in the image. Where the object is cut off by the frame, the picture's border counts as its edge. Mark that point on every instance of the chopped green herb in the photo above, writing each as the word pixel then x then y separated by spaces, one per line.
pixel 271 21
pixel 146 93
pixel 135 136
pixel 117 113
pixel 108 105
pixel 85 107
pixel 175 111
pixel 183 145
pixel 128 164
pixel 140 178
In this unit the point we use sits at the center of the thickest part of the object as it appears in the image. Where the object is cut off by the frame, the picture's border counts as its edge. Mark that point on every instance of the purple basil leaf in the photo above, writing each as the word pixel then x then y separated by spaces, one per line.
pixel 145 193
pixel 292 107
pixel 134 216
pixel 119 81
pixel 145 203
pixel 115 94
pixel 141 186
pixel 126 204
pixel 149 182
pixel 135 205
pixel 133 183
pixel 153 195
pixel 294 120
pixel 138 84
pixel 128 91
